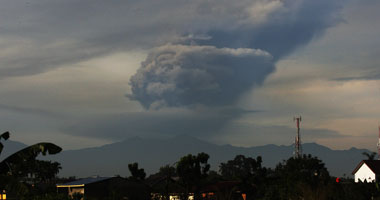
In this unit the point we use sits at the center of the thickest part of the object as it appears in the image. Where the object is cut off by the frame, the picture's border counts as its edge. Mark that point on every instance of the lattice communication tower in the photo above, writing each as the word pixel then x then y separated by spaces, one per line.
pixel 297 143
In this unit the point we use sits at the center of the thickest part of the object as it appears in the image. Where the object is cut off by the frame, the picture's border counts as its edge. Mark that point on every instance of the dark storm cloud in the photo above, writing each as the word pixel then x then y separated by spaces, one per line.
pixel 178 75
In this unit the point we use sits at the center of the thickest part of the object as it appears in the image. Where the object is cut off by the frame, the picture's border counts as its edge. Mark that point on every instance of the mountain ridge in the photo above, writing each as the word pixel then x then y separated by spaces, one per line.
pixel 113 159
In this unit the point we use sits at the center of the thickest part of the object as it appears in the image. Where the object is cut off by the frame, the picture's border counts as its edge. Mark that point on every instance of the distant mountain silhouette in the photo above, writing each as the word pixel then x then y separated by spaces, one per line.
pixel 151 154
pixel 10 147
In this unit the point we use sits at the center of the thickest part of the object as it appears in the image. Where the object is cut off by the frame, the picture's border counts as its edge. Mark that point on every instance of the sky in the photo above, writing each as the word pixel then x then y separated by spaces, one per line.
pixel 92 72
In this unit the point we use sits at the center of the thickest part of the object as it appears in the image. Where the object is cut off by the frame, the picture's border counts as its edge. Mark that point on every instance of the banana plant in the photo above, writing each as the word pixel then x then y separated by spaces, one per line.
pixel 25 155
pixel 18 164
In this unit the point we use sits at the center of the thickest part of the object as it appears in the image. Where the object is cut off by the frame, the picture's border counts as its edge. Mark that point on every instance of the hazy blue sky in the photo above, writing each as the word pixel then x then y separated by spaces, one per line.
pixel 91 72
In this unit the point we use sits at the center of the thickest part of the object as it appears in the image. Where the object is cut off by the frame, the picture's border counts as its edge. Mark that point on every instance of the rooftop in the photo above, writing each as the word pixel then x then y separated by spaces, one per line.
pixel 84 181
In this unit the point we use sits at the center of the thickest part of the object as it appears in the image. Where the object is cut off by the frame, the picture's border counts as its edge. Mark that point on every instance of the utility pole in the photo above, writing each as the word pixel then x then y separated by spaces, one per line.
pixel 297 143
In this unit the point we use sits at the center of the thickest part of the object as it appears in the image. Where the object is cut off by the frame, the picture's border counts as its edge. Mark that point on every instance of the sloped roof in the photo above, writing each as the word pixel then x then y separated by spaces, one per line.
pixel 374 165
pixel 84 181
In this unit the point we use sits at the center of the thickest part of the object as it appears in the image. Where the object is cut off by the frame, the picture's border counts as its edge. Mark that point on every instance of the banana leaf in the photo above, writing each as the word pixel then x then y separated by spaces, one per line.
pixel 3 136
pixel 28 154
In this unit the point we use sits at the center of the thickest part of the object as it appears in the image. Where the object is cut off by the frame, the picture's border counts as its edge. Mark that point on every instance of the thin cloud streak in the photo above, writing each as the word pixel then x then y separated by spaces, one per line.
pixel 32 111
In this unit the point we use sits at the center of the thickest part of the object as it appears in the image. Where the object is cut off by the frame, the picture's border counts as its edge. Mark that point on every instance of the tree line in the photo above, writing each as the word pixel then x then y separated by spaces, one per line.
pixel 305 177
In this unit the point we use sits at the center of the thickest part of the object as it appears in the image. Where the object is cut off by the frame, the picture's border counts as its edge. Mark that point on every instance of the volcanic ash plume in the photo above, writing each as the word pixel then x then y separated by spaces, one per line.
pixel 179 75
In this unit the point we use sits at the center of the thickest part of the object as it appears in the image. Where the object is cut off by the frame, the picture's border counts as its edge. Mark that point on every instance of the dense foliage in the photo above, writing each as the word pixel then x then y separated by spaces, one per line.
pixel 137 174
pixel 21 173
pixel 248 172
pixel 192 171
pixel 305 177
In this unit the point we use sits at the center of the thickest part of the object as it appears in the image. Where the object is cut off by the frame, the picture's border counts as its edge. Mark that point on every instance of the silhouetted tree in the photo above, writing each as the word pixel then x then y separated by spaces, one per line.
pixel 44 171
pixel 248 171
pixel 192 170
pixel 137 174
pixel 303 177
pixel 167 172
pixel 214 177
pixel 370 156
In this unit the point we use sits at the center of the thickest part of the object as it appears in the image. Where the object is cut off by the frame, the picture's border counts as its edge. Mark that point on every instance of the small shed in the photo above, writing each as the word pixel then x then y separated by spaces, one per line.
pixel 367 171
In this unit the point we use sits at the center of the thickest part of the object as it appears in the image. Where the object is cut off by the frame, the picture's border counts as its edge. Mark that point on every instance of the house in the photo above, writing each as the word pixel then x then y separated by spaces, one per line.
pixel 162 186
pixel 98 188
pixel 367 171
pixel 79 186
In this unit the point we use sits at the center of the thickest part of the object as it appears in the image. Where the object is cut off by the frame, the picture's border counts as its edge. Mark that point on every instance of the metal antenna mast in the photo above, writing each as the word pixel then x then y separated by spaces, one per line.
pixel 297 143
pixel 378 146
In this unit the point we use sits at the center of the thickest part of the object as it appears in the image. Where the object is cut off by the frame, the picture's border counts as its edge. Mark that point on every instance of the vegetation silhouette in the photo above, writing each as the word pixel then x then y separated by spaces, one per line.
pixel 192 171
pixel 248 171
pixel 242 177
pixel 370 156
pixel 22 167
pixel 137 174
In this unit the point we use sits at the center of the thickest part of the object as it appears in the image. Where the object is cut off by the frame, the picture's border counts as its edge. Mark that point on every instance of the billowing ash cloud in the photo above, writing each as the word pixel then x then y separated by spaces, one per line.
pixel 180 75
pixel 215 65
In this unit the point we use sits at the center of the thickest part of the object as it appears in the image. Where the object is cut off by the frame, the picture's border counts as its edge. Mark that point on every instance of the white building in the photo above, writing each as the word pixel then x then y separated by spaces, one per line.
pixel 367 171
